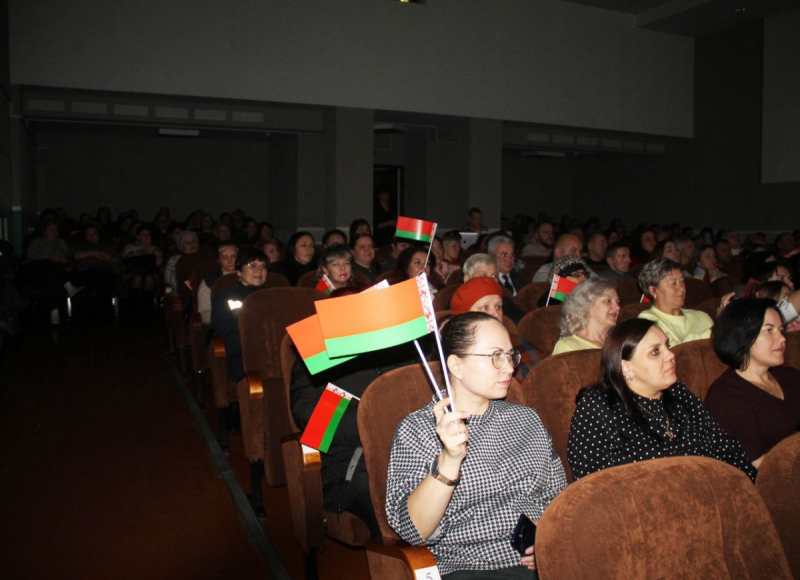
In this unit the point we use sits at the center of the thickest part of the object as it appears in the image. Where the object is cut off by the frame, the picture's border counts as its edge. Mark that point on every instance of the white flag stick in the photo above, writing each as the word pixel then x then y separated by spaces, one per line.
pixel 428 370
pixel 430 245
pixel 444 369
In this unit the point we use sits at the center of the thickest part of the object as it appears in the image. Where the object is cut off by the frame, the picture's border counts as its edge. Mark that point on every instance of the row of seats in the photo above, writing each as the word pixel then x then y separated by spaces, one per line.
pixel 271 437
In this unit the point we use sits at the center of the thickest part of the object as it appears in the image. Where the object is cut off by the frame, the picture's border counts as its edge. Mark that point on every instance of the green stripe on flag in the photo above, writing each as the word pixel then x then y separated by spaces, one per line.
pixel 325 444
pixel 377 339
pixel 320 362
pixel 412 236
pixel 560 296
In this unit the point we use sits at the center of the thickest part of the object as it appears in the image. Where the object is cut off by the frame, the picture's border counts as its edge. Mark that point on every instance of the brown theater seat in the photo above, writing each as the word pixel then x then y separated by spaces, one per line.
pixel 628 291
pixel 441 300
pixel 455 277
pixel 263 319
pixel 697 291
pixel 632 311
pixel 722 286
pixel 529 295
pixel 311 521
pixel 198 331
pixel 792 353
pixel 551 388
pixel 678 517
pixel 540 328
pixel 709 307
pixel 275 280
pixel 697 365
pixel 778 483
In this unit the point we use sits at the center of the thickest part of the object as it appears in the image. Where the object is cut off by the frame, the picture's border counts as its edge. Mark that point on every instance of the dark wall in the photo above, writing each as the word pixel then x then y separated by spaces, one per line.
pixel 713 179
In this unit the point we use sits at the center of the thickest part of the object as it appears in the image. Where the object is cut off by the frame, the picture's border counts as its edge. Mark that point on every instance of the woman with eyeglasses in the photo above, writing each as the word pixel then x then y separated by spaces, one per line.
pixel 458 482
pixel 251 268
pixel 573 268
pixel 640 410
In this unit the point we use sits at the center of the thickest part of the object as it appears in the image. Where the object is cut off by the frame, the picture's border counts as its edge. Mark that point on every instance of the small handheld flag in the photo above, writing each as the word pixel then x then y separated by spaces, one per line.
pixel 307 338
pixel 375 320
pixel 560 288
pixel 414 229
pixel 644 299
pixel 326 417
pixel 325 285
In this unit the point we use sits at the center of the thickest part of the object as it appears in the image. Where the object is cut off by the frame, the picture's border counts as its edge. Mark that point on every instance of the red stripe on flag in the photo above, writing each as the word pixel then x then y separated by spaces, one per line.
pixel 421 227
pixel 320 418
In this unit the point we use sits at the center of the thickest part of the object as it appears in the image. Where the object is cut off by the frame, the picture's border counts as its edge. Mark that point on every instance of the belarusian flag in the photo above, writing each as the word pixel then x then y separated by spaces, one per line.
pixel 325 285
pixel 307 338
pixel 414 229
pixel 561 287
pixel 325 418
pixel 376 320
pixel 644 299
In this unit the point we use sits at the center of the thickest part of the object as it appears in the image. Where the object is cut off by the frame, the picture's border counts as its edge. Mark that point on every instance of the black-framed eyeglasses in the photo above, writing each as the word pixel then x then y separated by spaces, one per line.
pixel 499 357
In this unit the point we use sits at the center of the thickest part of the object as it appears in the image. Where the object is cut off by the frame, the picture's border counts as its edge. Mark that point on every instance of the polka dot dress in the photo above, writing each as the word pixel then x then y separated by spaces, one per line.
pixel 603 435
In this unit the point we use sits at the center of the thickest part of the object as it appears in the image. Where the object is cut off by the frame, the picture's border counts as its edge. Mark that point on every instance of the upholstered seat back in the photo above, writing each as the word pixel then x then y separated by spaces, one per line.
pixel 441 300
pixel 778 483
pixel 632 311
pixel 183 273
pixel 697 291
pixel 791 356
pixel 529 295
pixel 551 388
pixel 540 328
pixel 199 272
pixel 679 517
pixel 697 365
pixel 628 291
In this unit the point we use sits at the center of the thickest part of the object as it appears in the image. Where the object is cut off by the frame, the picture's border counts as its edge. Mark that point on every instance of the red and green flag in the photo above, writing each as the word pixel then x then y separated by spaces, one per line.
pixel 561 287
pixel 644 299
pixel 326 417
pixel 307 338
pixel 375 320
pixel 415 229
pixel 325 285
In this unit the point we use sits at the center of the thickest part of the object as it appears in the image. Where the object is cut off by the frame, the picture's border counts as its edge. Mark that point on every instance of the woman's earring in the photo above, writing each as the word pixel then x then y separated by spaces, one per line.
pixel 628 376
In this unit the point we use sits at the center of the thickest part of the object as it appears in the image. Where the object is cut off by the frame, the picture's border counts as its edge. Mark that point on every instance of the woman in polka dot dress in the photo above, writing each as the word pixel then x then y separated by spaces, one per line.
pixel 641 411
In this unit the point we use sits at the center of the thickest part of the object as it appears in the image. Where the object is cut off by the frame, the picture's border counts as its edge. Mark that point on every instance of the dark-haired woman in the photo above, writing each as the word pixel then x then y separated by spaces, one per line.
pixel 757 400
pixel 640 411
pixel 457 482
pixel 363 250
pixel 299 257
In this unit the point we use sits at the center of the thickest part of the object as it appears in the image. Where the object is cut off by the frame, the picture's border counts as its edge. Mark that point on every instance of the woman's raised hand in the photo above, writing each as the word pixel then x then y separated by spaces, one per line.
pixel 452 430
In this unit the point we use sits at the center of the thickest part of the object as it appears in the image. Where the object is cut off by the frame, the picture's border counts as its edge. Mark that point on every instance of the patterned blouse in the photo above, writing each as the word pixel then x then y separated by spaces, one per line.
pixel 603 435
pixel 510 469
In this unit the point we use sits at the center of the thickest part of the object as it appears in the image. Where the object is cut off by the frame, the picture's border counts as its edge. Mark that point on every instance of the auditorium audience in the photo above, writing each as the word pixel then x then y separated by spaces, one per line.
pixel 596 249
pixel 573 268
pixel 757 400
pixel 443 267
pixel 618 260
pixel 251 268
pixel 566 245
pixel 588 313
pixel 484 294
pixel 398 246
pixel 502 248
pixel 662 282
pixel 685 246
pixel 540 241
pixel 705 264
pixel 641 411
pixel 336 265
pixel 359 226
pixel 94 274
pixel 300 258
pixel 466 516
pixel 485 265
pixel 188 243
pixel 363 251
pixel 46 261
pixel 451 245
pixel 226 258
pixel 333 237
pixel 474 221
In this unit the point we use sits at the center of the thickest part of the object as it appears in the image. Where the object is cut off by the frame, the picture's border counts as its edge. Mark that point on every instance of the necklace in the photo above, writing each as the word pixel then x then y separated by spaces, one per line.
pixel 667 428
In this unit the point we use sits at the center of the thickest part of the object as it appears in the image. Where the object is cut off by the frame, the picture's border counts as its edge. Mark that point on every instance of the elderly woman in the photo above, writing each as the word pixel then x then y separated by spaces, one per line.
pixel 451 246
pixel 336 265
pixel 300 259
pixel 572 268
pixel 757 400
pixel 188 243
pixel 485 294
pixel 587 315
pixel 47 258
pixel 662 282
pixel 705 264
pixel 457 482
pixel 641 411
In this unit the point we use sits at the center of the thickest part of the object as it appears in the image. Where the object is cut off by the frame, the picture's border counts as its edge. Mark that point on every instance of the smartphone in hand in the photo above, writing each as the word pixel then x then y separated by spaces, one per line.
pixel 524 535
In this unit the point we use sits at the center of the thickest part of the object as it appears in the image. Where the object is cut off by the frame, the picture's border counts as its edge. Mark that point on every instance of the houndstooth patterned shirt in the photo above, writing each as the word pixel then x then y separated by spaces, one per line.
pixel 510 468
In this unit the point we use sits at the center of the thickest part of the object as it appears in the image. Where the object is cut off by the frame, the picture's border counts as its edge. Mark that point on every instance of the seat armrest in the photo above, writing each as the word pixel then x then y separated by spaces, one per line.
pixel 255 386
pixel 303 469
pixel 395 560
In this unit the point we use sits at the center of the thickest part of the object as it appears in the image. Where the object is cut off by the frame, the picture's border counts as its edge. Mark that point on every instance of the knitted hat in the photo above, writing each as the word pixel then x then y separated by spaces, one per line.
pixel 567 266
pixel 470 292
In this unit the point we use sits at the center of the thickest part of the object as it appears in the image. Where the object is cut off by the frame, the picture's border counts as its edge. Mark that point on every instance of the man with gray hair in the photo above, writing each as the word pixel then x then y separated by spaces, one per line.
pixel 485 266
pixel 502 248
